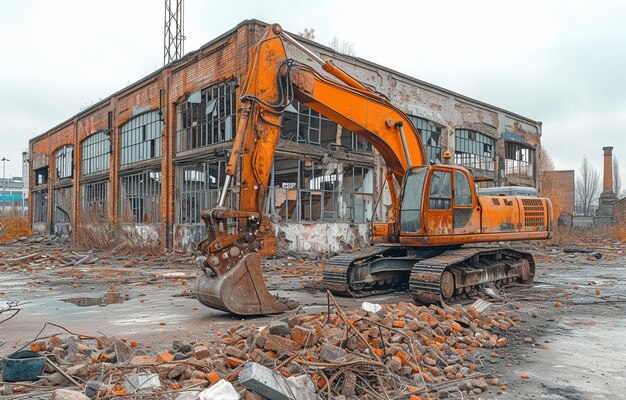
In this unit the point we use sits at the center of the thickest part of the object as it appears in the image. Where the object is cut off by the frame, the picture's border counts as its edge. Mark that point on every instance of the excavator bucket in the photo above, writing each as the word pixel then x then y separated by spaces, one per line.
pixel 241 290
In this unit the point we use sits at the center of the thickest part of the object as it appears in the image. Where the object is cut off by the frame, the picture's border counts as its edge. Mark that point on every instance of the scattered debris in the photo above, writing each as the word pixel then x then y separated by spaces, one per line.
pixel 591 253
pixel 222 390
pixel 141 383
pixel 402 350
pixel 482 306
pixel 272 385
pixel 371 307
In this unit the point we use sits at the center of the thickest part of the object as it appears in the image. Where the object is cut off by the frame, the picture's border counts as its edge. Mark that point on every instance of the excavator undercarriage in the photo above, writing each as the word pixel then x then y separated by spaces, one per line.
pixel 432 275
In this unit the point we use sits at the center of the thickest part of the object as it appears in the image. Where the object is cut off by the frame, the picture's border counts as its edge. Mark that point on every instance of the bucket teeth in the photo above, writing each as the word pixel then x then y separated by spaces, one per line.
pixel 241 290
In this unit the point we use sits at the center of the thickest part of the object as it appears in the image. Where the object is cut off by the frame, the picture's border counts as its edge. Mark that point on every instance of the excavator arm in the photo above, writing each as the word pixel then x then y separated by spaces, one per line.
pixel 232 279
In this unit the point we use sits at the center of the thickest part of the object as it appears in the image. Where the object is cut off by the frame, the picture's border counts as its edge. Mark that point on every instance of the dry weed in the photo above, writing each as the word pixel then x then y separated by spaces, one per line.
pixel 13 226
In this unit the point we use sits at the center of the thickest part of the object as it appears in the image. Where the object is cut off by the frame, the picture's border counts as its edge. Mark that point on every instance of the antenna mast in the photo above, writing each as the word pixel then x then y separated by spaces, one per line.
pixel 173 37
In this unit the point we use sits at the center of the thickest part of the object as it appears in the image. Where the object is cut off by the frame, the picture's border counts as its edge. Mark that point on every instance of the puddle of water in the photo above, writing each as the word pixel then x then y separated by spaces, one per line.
pixel 109 298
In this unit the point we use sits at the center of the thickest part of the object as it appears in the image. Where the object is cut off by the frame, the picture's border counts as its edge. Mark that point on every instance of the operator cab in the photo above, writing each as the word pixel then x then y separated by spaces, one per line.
pixel 437 200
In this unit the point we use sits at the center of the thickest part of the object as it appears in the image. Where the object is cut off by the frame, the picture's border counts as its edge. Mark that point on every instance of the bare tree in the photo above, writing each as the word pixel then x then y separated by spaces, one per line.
pixel 550 184
pixel 547 164
pixel 342 46
pixel 587 186
pixel 617 180
pixel 309 33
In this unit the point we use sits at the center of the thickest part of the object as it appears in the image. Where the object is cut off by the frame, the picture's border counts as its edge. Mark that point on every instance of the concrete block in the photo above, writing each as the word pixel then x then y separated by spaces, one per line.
pixel 141 383
pixel 280 328
pixel 331 353
pixel 263 381
pixel 481 305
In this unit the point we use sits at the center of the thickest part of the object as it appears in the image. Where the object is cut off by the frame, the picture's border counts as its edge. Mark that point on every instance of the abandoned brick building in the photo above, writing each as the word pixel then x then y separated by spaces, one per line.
pixel 152 155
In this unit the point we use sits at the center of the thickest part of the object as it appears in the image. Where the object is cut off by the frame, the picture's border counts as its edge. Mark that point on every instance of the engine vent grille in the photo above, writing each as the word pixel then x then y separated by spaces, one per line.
pixel 534 212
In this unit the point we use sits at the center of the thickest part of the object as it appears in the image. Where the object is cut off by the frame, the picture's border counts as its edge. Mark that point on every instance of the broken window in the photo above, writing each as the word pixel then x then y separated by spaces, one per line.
pixel 141 197
pixel 63 205
pixel 475 150
pixel 200 187
pixel 141 138
pixel 94 200
pixel 308 190
pixel 41 176
pixel 95 152
pixel 283 193
pixel 207 117
pixel 355 142
pixel 359 182
pixel 431 138
pixel 302 124
pixel 519 159
pixel 319 189
pixel 40 206
pixel 64 162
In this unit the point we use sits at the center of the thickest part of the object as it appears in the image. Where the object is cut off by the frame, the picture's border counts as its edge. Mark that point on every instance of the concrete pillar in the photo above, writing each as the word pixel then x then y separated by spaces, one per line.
pixel 608 170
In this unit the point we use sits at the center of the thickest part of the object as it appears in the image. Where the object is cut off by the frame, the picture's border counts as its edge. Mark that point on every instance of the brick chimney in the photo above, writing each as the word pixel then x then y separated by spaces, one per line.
pixel 608 170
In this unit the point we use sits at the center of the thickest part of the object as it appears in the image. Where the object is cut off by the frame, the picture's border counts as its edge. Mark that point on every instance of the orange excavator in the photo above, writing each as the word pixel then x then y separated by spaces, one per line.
pixel 434 213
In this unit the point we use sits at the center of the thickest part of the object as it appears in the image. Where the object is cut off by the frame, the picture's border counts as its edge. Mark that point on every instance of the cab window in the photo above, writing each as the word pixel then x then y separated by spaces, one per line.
pixel 440 190
pixel 462 192
pixel 412 201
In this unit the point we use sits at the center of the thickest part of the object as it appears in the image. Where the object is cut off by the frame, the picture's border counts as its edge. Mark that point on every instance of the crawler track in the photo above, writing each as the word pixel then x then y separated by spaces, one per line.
pixel 431 274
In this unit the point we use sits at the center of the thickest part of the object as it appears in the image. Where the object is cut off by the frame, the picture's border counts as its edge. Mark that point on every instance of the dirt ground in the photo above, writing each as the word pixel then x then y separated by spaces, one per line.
pixel 570 345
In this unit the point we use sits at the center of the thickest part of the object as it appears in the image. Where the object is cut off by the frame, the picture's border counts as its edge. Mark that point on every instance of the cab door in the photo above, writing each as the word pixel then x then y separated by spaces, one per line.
pixel 438 216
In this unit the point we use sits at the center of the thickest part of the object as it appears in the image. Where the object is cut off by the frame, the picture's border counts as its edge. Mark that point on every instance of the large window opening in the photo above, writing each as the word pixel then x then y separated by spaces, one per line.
pixel 431 138
pixel 141 197
pixel 63 205
pixel 308 191
pixel 64 162
pixel 95 152
pixel 519 159
pixel 301 124
pixel 141 138
pixel 41 176
pixel 474 150
pixel 200 188
pixel 40 206
pixel 207 117
pixel 94 201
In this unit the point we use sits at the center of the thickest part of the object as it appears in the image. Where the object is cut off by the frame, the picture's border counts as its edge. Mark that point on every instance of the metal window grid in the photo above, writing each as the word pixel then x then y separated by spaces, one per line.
pixel 302 125
pixel 431 137
pixel 95 151
pixel 63 204
pixel 141 197
pixel 519 159
pixel 304 190
pixel 141 138
pixel 64 161
pixel 94 201
pixel 200 187
pixel 210 121
pixel 40 206
pixel 474 149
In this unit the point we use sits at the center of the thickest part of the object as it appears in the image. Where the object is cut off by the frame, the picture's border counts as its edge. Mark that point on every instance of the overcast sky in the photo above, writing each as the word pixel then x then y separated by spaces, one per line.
pixel 559 62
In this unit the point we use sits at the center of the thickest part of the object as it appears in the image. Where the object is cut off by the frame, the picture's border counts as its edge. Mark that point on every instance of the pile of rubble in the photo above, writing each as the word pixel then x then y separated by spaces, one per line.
pixel 402 350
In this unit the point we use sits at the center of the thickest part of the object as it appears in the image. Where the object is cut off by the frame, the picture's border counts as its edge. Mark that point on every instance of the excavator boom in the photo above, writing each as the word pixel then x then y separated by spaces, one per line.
pixel 232 279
